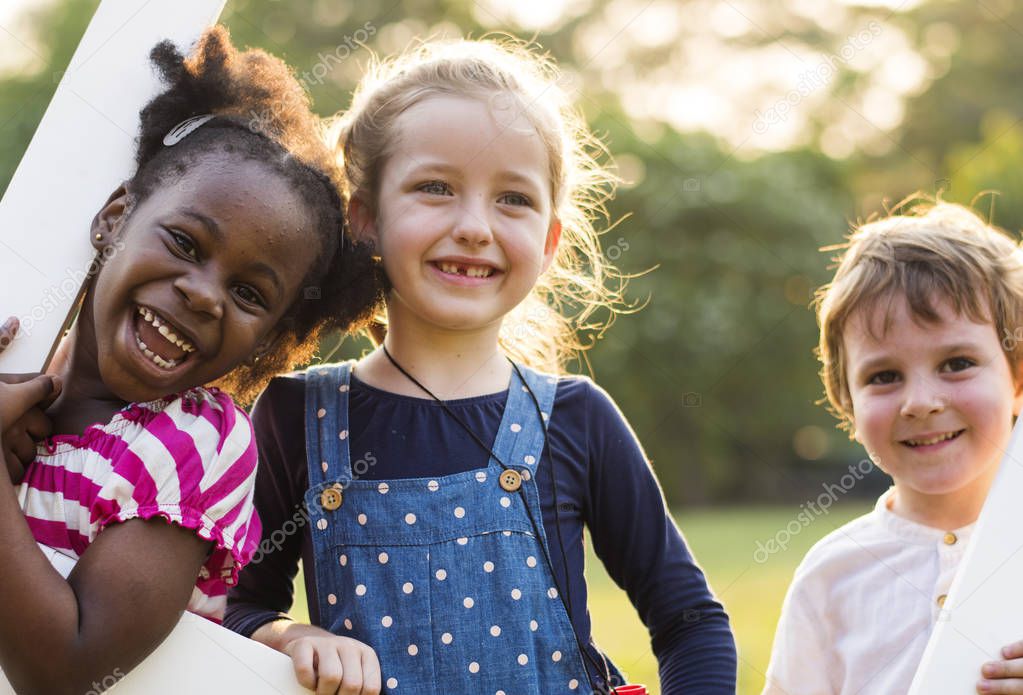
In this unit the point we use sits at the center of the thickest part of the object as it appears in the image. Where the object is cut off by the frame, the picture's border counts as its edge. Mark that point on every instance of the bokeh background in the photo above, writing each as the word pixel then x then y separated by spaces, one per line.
pixel 750 135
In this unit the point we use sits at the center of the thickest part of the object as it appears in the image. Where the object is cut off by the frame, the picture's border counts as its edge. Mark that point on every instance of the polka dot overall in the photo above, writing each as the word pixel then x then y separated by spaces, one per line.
pixel 443 577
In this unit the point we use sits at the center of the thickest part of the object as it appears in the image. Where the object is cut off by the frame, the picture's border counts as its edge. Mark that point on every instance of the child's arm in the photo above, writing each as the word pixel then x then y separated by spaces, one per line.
pixel 60 636
pixel 258 605
pixel 643 551
pixel 57 635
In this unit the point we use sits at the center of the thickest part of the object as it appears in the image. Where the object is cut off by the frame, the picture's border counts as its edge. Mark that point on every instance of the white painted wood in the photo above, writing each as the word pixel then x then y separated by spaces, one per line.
pixel 984 608
pixel 201 658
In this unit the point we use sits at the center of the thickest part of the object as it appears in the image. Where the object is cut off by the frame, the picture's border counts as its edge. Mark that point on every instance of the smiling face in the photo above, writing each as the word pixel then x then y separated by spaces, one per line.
pixel 932 403
pixel 204 269
pixel 464 222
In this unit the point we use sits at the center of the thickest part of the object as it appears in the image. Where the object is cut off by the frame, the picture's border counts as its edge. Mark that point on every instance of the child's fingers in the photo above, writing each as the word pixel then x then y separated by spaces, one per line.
pixel 371 678
pixel 19 378
pixel 1003 669
pixel 15 468
pixel 1006 687
pixel 350 660
pixel 58 388
pixel 36 425
pixel 20 445
pixel 329 671
pixel 19 398
pixel 1013 651
pixel 301 653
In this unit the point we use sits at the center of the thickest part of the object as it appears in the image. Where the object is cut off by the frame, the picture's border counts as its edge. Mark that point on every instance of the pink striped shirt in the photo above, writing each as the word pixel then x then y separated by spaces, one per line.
pixel 189 459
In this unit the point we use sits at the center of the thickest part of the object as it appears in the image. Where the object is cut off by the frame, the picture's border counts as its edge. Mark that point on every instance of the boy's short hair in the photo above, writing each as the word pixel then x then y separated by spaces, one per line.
pixel 937 250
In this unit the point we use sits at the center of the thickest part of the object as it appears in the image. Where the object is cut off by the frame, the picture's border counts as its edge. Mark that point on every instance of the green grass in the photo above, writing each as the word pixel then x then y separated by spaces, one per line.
pixel 724 541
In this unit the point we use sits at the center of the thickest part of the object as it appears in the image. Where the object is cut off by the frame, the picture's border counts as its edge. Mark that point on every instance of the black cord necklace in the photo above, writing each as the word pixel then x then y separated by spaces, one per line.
pixel 565 598
pixel 444 405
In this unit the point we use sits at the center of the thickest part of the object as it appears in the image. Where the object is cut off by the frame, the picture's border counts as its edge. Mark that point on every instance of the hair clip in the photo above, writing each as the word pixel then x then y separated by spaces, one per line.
pixel 185 128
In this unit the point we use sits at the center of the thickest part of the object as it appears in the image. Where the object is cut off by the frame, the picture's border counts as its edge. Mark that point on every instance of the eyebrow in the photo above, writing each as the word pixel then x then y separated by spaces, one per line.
pixel 443 167
pixel 516 177
pixel 209 223
pixel 418 167
pixel 214 230
pixel 869 366
pixel 875 362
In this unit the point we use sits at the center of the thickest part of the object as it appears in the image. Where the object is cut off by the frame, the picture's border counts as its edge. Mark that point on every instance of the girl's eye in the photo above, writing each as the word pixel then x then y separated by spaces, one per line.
pixel 435 188
pixel 184 244
pixel 959 364
pixel 516 199
pixel 249 295
pixel 883 378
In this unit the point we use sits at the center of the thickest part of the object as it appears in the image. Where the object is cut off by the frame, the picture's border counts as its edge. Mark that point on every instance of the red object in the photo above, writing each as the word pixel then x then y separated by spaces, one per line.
pixel 631 690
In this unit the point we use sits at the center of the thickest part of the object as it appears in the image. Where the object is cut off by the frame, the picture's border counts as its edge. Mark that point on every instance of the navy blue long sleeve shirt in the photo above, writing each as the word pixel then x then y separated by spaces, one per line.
pixel 604 482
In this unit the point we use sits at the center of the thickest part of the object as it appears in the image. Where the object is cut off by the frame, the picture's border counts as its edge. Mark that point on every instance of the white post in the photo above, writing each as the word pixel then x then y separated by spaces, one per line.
pixel 983 611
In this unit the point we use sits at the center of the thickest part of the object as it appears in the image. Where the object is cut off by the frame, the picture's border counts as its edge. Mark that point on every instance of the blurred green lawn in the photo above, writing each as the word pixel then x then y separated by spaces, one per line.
pixel 724 541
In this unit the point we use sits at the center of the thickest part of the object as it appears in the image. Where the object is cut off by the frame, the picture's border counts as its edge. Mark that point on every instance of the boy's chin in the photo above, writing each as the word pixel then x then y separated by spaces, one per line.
pixel 942 488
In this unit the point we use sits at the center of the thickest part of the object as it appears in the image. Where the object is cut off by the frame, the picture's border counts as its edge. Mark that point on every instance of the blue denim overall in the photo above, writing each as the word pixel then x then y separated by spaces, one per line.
pixel 443 577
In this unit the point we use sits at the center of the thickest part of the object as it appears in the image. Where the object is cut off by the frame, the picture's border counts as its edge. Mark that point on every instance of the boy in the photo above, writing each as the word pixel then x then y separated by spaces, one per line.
pixel 913 363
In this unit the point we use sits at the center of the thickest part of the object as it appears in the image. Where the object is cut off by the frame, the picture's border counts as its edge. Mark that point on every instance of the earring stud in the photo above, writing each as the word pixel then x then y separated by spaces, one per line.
pixel 99 237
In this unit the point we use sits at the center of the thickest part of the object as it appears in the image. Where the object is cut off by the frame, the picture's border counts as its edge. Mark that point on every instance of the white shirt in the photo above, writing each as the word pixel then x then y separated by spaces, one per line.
pixel 862 605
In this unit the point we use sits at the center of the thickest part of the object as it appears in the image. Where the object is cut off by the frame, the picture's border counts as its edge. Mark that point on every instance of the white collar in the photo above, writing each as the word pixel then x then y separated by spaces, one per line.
pixel 912 531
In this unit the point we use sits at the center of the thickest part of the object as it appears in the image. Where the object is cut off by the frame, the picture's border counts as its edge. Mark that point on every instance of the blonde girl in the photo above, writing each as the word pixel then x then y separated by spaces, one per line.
pixel 448 476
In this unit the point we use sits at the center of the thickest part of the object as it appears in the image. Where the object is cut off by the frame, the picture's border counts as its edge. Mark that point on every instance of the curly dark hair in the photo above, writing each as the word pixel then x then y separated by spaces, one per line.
pixel 262 113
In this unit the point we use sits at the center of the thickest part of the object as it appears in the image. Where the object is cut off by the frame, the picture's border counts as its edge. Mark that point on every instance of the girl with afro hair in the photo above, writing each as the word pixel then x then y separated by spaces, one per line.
pixel 224 257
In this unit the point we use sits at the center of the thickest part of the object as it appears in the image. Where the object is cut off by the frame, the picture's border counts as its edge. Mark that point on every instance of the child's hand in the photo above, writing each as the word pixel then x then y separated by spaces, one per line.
pixel 331 665
pixel 1004 676
pixel 23 397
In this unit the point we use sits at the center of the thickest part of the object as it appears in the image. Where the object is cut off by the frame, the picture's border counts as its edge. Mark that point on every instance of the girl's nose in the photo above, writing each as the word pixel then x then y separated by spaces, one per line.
pixel 471 226
pixel 923 398
pixel 200 295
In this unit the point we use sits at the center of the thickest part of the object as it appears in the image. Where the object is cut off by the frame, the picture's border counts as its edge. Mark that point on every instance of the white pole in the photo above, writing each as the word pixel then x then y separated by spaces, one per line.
pixel 982 612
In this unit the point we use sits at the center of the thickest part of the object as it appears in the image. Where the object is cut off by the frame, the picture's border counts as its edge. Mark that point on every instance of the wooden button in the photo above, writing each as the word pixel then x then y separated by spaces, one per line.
pixel 511 480
pixel 941 599
pixel 950 538
pixel 331 498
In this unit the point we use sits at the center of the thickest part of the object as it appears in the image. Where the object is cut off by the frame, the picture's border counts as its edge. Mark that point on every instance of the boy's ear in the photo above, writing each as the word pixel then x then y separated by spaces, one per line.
pixel 362 218
pixel 106 222
pixel 550 247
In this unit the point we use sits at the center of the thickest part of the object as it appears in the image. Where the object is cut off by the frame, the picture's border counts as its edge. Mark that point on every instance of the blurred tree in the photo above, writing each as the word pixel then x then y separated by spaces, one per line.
pixel 24 97
pixel 721 356
pixel 716 373
pixel 994 164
